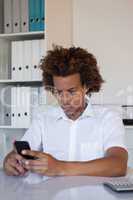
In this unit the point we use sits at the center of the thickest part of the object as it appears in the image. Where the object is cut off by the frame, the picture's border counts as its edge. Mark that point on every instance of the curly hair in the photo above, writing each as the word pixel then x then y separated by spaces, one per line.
pixel 67 61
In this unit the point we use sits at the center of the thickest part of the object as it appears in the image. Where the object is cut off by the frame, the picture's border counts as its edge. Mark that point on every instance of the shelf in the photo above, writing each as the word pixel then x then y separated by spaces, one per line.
pixel 129 127
pixel 23 36
pixel 21 82
pixel 10 127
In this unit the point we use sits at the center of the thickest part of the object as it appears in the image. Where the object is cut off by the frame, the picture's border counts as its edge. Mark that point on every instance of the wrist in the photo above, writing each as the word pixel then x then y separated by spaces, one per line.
pixel 61 168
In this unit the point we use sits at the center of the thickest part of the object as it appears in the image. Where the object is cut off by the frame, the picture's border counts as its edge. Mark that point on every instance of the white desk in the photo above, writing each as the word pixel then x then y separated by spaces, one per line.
pixel 62 188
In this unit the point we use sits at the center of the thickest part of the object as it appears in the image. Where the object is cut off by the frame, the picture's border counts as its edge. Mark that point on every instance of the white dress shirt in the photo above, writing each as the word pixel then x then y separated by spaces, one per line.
pixel 87 138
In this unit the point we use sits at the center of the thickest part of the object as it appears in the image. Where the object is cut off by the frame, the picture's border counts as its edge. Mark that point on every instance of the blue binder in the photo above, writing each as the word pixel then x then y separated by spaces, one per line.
pixel 32 9
pixel 42 11
pixel 37 15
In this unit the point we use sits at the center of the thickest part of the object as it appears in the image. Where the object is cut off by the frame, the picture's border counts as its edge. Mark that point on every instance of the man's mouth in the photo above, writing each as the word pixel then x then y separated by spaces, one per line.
pixel 67 109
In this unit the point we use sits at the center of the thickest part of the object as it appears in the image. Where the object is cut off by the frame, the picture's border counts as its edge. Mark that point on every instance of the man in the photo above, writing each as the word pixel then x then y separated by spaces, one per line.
pixel 76 138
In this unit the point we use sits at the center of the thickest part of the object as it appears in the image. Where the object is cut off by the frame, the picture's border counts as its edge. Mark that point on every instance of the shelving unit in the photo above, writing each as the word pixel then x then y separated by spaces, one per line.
pixel 9 132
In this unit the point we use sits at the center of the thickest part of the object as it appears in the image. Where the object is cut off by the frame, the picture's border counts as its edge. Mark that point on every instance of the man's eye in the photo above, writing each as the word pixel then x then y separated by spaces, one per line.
pixel 72 92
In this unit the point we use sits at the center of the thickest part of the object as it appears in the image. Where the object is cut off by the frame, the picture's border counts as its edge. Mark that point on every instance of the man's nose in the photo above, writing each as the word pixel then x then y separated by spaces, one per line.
pixel 65 99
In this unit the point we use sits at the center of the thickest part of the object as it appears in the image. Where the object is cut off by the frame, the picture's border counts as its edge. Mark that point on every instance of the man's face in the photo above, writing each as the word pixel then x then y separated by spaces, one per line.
pixel 70 94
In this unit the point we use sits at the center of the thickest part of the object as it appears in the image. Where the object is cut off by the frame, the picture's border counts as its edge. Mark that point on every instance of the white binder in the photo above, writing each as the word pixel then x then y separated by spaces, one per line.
pixel 25 107
pixel 14 51
pixel 8 22
pixel 1 108
pixel 34 101
pixel 24 15
pixel 16 16
pixel 43 48
pixel 4 59
pixel 19 107
pixel 19 60
pixel 6 98
pixel 35 72
pixel 13 106
pixel 26 69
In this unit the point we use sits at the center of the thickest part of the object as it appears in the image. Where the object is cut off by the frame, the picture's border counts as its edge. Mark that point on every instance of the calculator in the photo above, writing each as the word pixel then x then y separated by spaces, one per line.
pixel 120 186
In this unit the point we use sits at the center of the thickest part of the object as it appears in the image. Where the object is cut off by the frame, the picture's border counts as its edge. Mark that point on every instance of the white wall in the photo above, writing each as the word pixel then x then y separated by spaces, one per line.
pixel 105 28
pixel 58 22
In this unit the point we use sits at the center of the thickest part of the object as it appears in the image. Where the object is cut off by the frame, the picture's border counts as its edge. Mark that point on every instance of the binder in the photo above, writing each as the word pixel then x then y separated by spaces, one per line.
pixel 8 23
pixel 16 15
pixel 7 105
pixel 24 15
pixel 43 49
pixel 22 107
pixel 19 60
pixel 35 72
pixel 34 101
pixel 37 15
pixel 26 68
pixel 42 12
pixel 1 17
pixel 4 59
pixel 25 94
pixel 13 106
pixel 14 60
pixel 1 108
pixel 19 107
pixel 32 15
pixel 42 43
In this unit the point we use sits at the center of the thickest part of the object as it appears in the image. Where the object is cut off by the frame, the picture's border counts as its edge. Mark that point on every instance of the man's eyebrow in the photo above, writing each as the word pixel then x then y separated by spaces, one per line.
pixel 73 88
pixel 70 89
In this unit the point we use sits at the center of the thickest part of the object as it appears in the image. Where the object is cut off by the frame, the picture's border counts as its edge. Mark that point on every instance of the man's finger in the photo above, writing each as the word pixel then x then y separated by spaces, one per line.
pixel 38 162
pixel 36 168
pixel 33 153
pixel 17 156
pixel 13 171
pixel 17 166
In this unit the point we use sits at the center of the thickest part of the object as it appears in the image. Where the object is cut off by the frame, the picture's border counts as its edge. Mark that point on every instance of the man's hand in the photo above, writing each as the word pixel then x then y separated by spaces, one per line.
pixel 12 164
pixel 45 164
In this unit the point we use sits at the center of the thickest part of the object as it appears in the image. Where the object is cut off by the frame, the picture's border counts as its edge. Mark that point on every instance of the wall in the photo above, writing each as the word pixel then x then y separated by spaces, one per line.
pixel 58 22
pixel 105 28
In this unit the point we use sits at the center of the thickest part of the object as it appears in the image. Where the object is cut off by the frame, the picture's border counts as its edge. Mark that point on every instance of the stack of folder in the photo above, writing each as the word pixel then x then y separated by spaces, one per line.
pixel 20 104
pixel 5 106
pixel 24 15
pixel 26 56
pixel 25 102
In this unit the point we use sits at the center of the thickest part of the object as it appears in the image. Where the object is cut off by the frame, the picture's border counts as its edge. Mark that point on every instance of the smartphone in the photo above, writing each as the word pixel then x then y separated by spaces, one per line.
pixel 23 145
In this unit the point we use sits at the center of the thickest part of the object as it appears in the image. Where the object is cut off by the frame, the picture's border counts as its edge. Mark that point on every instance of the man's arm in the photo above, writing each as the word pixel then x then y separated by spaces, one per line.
pixel 113 164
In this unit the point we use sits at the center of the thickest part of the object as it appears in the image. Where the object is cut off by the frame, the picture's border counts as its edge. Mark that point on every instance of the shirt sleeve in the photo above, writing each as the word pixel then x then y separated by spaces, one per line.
pixel 114 132
pixel 34 134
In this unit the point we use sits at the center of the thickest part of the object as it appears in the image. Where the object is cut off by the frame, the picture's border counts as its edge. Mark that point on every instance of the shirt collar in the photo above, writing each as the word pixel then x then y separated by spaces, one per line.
pixel 88 112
